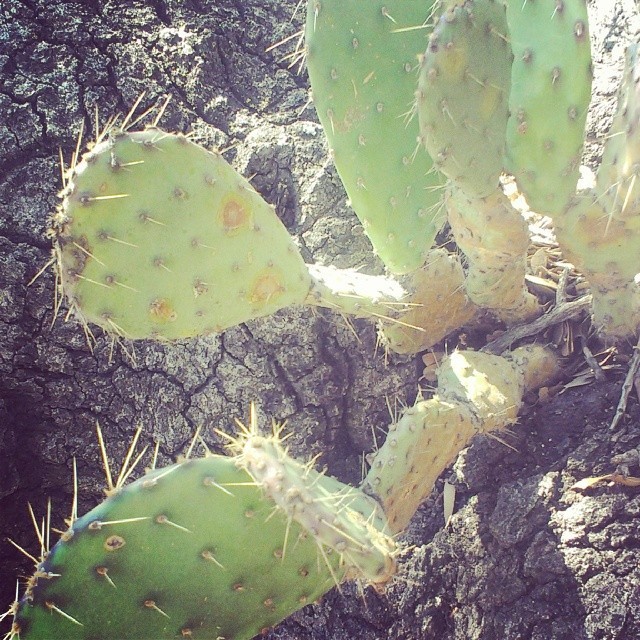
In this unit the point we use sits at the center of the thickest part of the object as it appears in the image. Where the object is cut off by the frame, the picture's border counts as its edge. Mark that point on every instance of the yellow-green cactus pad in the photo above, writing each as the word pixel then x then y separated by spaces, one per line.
pixel 437 306
pixel 606 249
pixel 600 229
pixel 619 170
pixel 463 94
pixel 494 238
pixel 158 237
pixel 477 393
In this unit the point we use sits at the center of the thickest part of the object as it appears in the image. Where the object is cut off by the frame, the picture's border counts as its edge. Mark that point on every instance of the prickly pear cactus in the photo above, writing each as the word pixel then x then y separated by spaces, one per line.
pixel 338 517
pixel 606 249
pixel 218 548
pixel 599 232
pixel 550 95
pixel 477 392
pixel 463 94
pixel 157 237
pixel 362 61
pixel 438 306
pixel 617 178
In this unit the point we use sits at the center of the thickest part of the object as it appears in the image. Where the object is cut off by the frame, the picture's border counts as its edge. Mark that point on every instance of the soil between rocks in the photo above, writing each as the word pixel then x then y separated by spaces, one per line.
pixel 524 556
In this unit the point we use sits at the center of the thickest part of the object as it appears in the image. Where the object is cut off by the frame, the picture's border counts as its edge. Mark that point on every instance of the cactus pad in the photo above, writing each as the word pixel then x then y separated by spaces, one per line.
pixel 550 95
pixel 477 393
pixel 600 230
pixel 220 548
pixel 438 306
pixel 339 517
pixel 606 249
pixel 157 237
pixel 617 178
pixel 494 238
pixel 463 94
pixel 362 58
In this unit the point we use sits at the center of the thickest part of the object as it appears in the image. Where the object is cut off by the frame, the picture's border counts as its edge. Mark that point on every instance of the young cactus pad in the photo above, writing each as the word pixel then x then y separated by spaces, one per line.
pixel 494 238
pixel 550 95
pixel 338 516
pixel 158 237
pixel 438 306
pixel 463 94
pixel 477 393
pixel 202 550
pixel 606 249
pixel 362 60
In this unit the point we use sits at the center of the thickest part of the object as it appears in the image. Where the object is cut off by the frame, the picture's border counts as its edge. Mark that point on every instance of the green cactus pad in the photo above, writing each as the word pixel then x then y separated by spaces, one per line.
pixel 202 550
pixel 157 237
pixel 550 95
pixel 617 179
pixel 362 65
pixel 463 94
pixel 339 517
pixel 189 549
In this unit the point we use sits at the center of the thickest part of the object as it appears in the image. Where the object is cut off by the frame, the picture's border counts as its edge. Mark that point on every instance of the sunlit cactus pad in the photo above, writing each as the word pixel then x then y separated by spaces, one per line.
pixel 158 237
pixel 187 551
pixel 217 548
pixel 463 94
